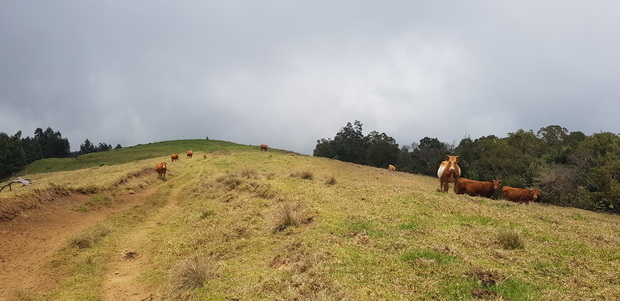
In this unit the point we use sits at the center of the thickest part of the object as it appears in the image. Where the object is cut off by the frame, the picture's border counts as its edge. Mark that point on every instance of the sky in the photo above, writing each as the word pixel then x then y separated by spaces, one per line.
pixel 287 73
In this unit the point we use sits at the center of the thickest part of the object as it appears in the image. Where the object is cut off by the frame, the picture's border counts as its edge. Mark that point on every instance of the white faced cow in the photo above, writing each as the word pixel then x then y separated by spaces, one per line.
pixel 449 172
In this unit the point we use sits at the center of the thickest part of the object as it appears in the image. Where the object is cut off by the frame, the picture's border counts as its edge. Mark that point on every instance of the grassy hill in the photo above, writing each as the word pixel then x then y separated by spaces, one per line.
pixel 250 225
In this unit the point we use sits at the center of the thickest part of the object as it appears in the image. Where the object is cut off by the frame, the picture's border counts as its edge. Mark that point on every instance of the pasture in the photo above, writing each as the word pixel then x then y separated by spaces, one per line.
pixel 246 224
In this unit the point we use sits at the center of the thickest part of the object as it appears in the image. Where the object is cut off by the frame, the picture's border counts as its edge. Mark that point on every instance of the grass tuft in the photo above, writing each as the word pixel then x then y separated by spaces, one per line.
pixel 330 181
pixel 304 175
pixel 287 215
pixel 510 239
pixel 191 273
pixel 87 239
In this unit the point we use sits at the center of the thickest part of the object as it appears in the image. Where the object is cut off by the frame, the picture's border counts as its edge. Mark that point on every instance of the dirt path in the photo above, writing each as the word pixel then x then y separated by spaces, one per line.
pixel 132 255
pixel 28 241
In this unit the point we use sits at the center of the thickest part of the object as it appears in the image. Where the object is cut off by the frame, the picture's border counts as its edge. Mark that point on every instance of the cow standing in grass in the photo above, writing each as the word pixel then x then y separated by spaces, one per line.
pixel 263 147
pixel 161 170
pixel 391 167
pixel 175 157
pixel 190 153
pixel 477 188
pixel 449 172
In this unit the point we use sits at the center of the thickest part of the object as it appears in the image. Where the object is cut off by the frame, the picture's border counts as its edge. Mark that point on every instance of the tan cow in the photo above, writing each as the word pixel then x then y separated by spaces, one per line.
pixel 448 172
pixel 520 195
pixel 190 153
pixel 161 170
pixel 175 157
pixel 391 167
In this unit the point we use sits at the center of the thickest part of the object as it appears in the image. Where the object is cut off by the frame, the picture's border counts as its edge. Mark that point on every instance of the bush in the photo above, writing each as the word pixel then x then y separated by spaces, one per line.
pixel 191 273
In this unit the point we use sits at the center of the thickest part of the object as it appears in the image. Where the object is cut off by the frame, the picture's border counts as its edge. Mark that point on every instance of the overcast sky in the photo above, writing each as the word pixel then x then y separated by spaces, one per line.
pixel 287 73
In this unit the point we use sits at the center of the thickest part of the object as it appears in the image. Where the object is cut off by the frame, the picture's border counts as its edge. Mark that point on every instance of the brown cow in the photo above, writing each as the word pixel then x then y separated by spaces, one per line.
pixel 263 147
pixel 161 170
pixel 190 153
pixel 477 188
pixel 520 195
pixel 204 156
pixel 175 157
pixel 449 171
pixel 391 167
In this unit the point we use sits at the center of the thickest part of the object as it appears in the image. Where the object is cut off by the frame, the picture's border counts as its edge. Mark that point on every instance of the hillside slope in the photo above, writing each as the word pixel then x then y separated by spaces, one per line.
pixel 250 225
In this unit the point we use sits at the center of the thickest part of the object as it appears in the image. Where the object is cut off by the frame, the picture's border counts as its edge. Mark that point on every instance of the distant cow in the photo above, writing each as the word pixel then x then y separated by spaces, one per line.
pixel 477 188
pixel 448 172
pixel 204 156
pixel 190 153
pixel 161 170
pixel 520 195
pixel 263 147
pixel 391 167
pixel 175 157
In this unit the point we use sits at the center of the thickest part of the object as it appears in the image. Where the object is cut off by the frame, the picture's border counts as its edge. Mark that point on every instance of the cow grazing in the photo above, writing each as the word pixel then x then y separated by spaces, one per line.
pixel 391 167
pixel 175 157
pixel 190 153
pixel 477 188
pixel 161 170
pixel 520 195
pixel 263 147
pixel 449 171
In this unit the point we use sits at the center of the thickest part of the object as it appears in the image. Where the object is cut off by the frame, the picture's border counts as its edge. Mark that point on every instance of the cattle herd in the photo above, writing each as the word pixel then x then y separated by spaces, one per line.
pixel 448 172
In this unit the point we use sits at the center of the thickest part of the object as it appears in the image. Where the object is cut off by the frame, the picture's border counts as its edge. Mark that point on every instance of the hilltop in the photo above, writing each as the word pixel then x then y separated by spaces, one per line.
pixel 249 225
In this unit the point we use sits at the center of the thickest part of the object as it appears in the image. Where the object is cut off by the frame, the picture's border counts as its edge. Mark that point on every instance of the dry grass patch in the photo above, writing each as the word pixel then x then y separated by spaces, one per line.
pixel 305 175
pixel 330 181
pixel 288 215
pixel 510 239
pixel 190 274
pixel 88 238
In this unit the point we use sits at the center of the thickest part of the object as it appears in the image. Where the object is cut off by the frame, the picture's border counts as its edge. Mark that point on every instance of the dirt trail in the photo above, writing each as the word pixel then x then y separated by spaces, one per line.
pixel 28 241
pixel 131 255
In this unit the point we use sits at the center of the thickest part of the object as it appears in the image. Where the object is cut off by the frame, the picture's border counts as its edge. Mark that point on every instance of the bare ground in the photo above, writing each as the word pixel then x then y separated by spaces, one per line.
pixel 30 238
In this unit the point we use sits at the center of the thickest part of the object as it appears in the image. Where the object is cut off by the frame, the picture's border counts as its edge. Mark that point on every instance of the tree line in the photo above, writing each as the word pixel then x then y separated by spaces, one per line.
pixel 17 152
pixel 571 168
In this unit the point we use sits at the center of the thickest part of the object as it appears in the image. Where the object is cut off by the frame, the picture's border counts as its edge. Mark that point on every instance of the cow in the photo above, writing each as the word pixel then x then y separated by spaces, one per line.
pixel 477 188
pixel 391 167
pixel 263 147
pixel 161 170
pixel 520 195
pixel 449 171
pixel 175 157
pixel 190 153
pixel 204 156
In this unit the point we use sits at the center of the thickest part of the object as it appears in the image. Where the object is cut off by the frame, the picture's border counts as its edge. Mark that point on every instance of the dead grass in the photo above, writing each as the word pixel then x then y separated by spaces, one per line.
pixel 510 239
pixel 287 215
pixel 305 175
pixel 89 237
pixel 190 274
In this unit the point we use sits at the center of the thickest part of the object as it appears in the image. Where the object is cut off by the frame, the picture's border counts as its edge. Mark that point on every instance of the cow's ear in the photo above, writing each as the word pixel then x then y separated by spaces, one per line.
pixel 458 159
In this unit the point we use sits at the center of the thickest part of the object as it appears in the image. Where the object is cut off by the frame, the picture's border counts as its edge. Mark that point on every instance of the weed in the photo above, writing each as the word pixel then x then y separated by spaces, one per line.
pixel 510 239
pixel 191 273
pixel 231 181
pixel 206 214
pixel 330 181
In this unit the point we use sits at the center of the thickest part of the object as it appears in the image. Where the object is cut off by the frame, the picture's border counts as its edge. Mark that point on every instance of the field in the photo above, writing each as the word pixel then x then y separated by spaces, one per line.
pixel 249 225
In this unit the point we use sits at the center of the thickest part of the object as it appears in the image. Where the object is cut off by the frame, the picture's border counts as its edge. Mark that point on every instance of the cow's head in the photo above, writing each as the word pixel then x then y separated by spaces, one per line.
pixel 496 184
pixel 453 161
pixel 534 193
